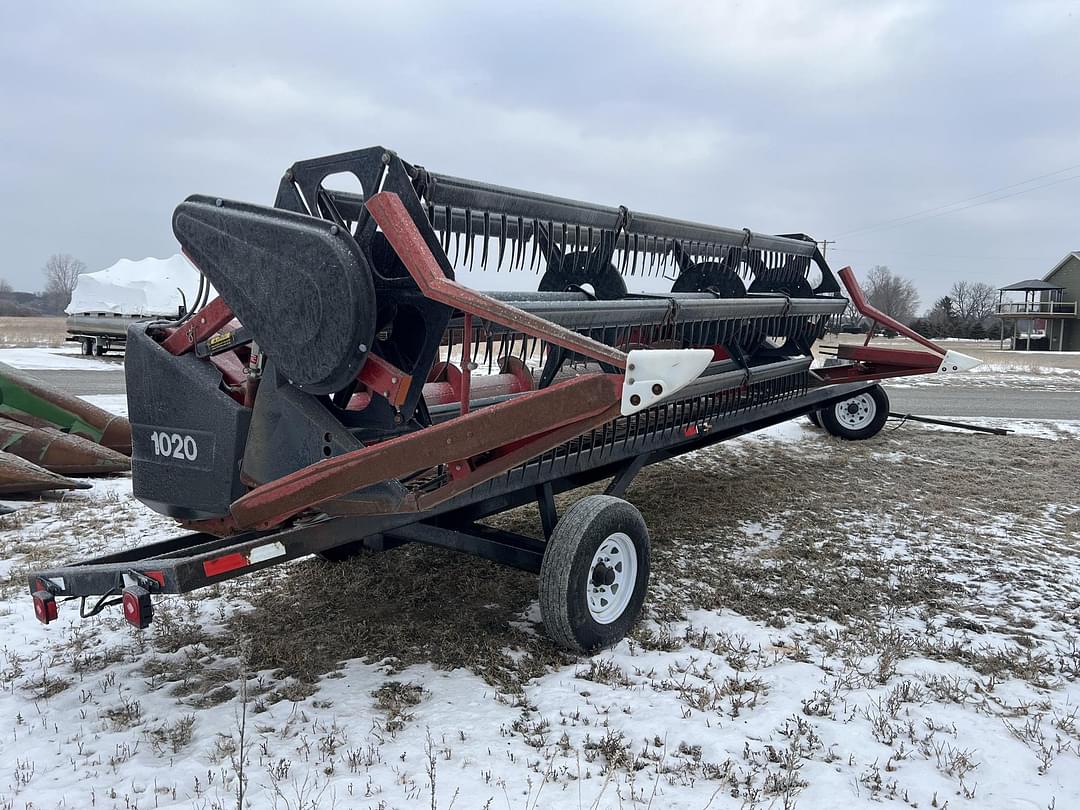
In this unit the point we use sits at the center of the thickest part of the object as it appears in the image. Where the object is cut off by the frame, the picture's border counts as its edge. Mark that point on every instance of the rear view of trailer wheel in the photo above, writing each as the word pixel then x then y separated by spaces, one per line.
pixel 594 573
pixel 860 417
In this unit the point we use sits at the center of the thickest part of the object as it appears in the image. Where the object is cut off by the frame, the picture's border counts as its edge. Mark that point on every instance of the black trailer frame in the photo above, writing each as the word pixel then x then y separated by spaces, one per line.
pixel 196 560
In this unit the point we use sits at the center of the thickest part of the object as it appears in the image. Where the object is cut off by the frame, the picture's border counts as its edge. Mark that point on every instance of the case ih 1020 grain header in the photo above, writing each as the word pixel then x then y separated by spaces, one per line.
pixel 346 392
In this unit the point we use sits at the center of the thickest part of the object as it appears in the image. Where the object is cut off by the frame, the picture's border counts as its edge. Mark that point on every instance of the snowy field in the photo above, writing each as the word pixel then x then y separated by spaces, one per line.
pixel 1033 376
pixel 26 332
pixel 61 358
pixel 829 625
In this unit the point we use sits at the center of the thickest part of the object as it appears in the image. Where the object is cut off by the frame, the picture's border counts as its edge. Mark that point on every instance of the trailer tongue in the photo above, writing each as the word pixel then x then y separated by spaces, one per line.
pixel 347 390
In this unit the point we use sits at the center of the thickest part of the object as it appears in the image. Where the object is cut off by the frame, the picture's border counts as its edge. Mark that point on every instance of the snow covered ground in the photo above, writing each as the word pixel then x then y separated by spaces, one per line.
pixel 1031 376
pixel 830 625
pixel 62 358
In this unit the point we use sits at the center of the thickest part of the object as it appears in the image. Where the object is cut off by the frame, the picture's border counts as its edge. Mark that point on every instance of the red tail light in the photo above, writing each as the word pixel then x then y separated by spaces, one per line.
pixel 44 606
pixel 137 607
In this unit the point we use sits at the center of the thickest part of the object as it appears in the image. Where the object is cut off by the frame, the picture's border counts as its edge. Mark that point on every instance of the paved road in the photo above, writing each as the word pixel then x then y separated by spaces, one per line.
pixel 83 382
pixel 952 400
pixel 1013 403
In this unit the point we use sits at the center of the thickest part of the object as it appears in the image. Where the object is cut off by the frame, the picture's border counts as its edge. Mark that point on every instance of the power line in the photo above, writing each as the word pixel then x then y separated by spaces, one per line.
pixel 1005 196
pixel 904 219
pixel 939 255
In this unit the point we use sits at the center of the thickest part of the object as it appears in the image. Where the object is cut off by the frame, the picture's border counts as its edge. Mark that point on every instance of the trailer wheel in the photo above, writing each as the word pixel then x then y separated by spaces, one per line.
pixel 87 346
pixel 860 417
pixel 594 573
pixel 99 347
pixel 815 418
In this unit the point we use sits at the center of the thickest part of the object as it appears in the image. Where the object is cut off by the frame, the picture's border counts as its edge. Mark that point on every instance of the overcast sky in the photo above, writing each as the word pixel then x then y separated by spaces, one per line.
pixel 825 118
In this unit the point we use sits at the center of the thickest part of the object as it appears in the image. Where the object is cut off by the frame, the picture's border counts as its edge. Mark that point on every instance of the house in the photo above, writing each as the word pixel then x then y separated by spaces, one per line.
pixel 1047 319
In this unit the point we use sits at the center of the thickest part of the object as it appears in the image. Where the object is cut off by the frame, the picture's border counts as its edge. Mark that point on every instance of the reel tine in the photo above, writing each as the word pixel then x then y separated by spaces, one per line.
pixel 634 255
pixel 502 243
pixel 535 244
pixel 504 338
pixel 683 254
pixel 487 238
pixel 468 235
pixel 547 242
pixel 625 250
pixel 449 217
pixel 519 245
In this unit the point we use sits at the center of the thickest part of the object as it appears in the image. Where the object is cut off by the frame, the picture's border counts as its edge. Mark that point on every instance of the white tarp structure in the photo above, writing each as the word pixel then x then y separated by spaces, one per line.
pixel 146 287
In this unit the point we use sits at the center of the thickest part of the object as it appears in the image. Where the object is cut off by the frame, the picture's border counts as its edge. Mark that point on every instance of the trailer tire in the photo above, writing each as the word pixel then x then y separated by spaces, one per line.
pixel 580 608
pixel 815 418
pixel 100 347
pixel 860 417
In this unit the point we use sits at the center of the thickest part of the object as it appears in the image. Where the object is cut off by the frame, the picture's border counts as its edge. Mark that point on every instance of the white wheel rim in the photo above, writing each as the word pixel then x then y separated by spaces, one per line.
pixel 612 577
pixel 857 412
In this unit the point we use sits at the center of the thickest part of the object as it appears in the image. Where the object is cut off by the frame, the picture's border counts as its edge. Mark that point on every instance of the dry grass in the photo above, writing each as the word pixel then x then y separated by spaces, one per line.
pixel 845 537
pixel 915 545
pixel 407 606
pixel 29 332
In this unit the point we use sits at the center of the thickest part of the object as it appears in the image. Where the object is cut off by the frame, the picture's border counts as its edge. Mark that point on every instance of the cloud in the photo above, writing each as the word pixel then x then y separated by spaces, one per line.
pixel 773 115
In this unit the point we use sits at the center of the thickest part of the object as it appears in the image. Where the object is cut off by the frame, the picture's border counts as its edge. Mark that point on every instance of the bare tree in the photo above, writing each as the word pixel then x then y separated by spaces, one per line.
pixel 973 301
pixel 62 272
pixel 851 313
pixel 5 286
pixel 892 294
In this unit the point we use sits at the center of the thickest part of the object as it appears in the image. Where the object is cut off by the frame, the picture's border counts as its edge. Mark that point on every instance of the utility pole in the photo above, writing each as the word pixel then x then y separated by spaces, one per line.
pixel 824 244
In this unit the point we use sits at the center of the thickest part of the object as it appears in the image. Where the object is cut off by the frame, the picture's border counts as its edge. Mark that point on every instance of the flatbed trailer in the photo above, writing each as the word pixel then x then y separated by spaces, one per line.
pixel 329 400
pixel 99 333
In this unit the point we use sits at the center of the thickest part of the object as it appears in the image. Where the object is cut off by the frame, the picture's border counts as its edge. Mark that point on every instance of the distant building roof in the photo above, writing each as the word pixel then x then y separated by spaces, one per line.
pixel 1032 284
pixel 1075 254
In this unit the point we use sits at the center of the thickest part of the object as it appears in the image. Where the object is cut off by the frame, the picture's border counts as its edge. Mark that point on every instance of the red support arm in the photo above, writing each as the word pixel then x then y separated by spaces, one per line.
pixel 206 322
pixel 879 362
pixel 847 275
pixel 549 417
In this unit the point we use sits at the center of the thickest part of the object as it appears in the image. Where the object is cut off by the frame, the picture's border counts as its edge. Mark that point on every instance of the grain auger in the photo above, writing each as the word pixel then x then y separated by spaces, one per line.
pixel 351 387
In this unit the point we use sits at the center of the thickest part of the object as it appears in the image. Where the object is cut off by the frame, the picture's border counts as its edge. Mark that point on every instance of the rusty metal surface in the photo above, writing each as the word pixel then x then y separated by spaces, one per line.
pixel 59 452
pixel 399 228
pixel 515 456
pixel 24 396
pixel 210 319
pixel 19 477
pixel 385 379
pixel 858 298
pixel 560 406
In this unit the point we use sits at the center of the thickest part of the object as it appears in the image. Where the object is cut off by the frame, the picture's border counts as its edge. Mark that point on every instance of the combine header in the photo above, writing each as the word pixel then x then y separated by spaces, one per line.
pixel 352 389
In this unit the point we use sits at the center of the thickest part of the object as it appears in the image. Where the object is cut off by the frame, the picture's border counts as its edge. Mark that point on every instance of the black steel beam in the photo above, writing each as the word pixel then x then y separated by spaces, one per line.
pixel 503 547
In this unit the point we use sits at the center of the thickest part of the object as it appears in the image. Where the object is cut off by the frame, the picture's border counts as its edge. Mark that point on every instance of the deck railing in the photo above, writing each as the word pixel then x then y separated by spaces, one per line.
pixel 1036 308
